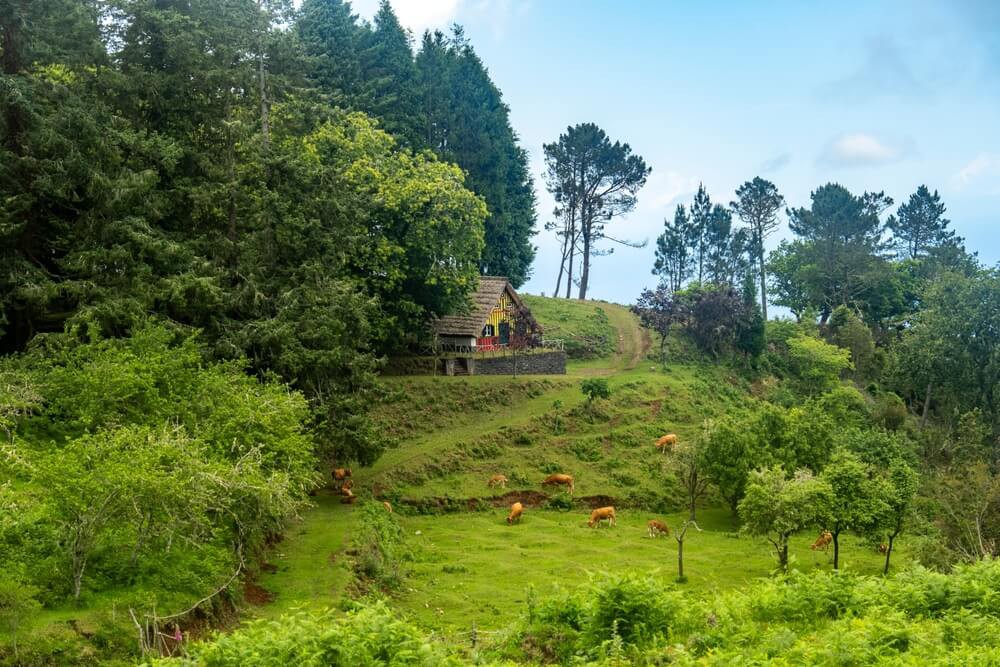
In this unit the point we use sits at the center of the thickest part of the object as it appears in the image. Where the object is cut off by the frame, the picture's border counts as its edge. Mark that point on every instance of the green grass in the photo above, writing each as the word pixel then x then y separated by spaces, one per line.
pixel 448 435
pixel 583 326
pixel 475 567
pixel 313 569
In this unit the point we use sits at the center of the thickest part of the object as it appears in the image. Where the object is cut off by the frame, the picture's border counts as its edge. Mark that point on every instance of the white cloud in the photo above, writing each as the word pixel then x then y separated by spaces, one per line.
pixel 665 187
pixel 980 165
pixel 860 149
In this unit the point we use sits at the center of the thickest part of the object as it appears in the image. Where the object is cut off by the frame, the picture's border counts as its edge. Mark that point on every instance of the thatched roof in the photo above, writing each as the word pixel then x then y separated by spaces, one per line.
pixel 482 302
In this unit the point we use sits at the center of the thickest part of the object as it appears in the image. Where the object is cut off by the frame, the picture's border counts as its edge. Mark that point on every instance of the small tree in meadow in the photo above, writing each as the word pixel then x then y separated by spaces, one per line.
pixel 594 388
pixel 900 484
pixel 855 501
pixel 776 507
pixel 687 463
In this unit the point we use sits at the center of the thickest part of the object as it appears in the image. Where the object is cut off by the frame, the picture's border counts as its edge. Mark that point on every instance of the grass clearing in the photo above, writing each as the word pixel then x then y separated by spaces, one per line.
pixel 474 567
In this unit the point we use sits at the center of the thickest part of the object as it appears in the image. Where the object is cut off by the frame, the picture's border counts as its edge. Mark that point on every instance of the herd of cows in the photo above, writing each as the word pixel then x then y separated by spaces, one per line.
pixel 654 527
pixel 344 484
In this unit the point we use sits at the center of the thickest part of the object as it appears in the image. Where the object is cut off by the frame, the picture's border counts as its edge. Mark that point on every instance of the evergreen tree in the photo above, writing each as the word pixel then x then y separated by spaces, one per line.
pixel 757 205
pixel 719 258
pixel 673 261
pixel 920 226
pixel 603 179
pixel 332 40
pixel 842 244
pixel 701 213
pixel 390 77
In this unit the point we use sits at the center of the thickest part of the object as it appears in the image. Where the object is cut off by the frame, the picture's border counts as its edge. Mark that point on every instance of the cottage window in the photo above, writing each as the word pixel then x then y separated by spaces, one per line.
pixel 488 331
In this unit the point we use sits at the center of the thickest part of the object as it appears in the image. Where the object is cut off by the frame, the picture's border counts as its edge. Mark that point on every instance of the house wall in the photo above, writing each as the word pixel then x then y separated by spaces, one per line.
pixel 539 363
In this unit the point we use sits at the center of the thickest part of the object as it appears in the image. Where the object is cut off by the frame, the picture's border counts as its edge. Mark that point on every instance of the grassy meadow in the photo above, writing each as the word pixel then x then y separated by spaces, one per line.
pixel 448 435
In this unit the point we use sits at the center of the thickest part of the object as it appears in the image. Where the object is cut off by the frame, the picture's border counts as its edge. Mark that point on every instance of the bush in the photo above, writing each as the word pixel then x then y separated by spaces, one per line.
pixel 368 636
pixel 594 388
pixel 380 547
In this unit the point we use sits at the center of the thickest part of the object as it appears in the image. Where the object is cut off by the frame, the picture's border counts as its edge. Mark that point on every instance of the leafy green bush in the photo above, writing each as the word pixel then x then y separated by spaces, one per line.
pixel 368 636
pixel 594 388
pixel 380 547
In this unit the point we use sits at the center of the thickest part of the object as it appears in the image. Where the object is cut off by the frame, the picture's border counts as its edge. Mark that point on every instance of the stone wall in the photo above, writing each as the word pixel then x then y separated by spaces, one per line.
pixel 539 363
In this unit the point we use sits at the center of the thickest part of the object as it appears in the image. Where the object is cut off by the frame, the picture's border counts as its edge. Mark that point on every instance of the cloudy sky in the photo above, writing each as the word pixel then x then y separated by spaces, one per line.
pixel 875 96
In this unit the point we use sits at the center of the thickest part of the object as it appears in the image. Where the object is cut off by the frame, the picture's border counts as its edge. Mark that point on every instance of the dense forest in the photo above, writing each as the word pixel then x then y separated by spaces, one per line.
pixel 219 218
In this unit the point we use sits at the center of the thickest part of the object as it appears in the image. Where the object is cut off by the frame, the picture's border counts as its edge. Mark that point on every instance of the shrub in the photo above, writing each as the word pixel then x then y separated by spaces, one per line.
pixel 594 388
pixel 380 547
pixel 368 636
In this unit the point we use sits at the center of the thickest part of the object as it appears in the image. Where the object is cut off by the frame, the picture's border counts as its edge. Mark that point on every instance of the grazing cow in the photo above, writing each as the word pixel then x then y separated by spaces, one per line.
pixel 387 506
pixel 497 480
pixel 516 510
pixel 559 480
pixel 667 442
pixel 349 497
pixel 340 474
pixel 823 541
pixel 655 527
pixel 883 547
pixel 603 514
pixel 348 485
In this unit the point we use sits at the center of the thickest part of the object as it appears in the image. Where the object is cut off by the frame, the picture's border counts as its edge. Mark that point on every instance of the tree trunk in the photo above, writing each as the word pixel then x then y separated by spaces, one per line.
pixel 680 558
pixel 763 283
pixel 888 554
pixel 692 506
pixel 569 271
pixel 783 556
pixel 836 549
pixel 927 406
pixel 585 274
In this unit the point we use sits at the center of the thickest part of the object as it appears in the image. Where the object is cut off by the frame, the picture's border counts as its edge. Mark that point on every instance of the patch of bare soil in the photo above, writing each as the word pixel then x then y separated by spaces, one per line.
pixel 257 595
pixel 526 498
pixel 593 502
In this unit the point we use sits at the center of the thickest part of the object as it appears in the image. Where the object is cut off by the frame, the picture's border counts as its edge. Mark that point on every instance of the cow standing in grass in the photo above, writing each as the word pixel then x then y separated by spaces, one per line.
pixel 655 528
pixel 497 480
pixel 667 443
pixel 516 510
pixel 559 480
pixel 603 514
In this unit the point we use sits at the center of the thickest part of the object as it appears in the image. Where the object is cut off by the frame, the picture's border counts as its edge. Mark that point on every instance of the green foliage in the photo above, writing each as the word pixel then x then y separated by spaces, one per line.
pixel 138 448
pixel 593 181
pixel 369 635
pixel 816 365
pixel 856 499
pixel 594 388
pixel 380 547
pixel 775 507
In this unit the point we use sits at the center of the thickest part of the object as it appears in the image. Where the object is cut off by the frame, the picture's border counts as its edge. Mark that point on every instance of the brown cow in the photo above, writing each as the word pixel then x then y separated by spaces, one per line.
pixel 349 497
pixel 823 541
pixel 655 527
pixel 516 510
pixel 883 547
pixel 559 480
pixel 603 514
pixel 667 442
pixel 497 480
pixel 387 506
pixel 340 474
pixel 347 485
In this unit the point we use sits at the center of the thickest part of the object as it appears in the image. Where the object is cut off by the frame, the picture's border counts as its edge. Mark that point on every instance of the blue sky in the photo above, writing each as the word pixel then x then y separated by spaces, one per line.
pixel 875 96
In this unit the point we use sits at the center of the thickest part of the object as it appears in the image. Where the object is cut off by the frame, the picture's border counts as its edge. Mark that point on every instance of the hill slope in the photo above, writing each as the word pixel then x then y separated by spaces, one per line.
pixel 448 435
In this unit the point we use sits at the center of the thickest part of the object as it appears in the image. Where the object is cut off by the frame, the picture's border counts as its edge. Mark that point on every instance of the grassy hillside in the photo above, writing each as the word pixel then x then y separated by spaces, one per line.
pixel 447 436
pixel 584 327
